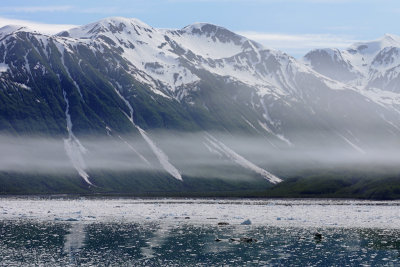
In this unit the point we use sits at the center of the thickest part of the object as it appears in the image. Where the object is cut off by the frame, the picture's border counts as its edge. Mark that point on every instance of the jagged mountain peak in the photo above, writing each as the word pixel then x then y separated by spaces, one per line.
pixel 391 37
pixel 9 29
pixel 327 51
pixel 118 20
pixel 363 48
pixel 373 47
pixel 216 33
pixel 119 76
pixel 155 56
pixel 204 28
pixel 12 28
pixel 211 30
pixel 333 54
pixel 112 25
pixel 204 39
pixel 212 41
pixel 371 64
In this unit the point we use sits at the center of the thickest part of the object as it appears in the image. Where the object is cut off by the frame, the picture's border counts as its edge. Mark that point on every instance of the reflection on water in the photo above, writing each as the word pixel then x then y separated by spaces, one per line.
pixel 74 243
pixel 159 235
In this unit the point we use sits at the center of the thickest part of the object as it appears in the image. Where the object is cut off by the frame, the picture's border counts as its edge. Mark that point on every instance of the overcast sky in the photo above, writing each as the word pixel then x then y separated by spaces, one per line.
pixel 293 26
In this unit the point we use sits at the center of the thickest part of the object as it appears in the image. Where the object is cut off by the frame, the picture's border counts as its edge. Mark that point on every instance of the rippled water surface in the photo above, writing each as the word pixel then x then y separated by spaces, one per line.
pixel 70 238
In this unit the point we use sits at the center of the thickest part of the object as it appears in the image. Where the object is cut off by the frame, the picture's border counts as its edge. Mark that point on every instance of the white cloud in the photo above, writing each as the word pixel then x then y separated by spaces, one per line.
pixel 299 44
pixel 40 27
pixel 293 44
pixel 34 9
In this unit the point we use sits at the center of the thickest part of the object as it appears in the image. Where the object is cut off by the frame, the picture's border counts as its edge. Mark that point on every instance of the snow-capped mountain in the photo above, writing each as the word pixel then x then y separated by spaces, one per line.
pixel 168 59
pixel 121 78
pixel 367 65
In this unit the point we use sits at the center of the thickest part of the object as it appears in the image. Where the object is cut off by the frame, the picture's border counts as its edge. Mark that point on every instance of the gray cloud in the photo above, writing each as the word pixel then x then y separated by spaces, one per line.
pixel 40 27
pixel 299 43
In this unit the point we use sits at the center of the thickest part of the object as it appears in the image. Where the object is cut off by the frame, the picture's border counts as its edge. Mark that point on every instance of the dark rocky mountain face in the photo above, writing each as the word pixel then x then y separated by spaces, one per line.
pixel 331 63
pixel 168 105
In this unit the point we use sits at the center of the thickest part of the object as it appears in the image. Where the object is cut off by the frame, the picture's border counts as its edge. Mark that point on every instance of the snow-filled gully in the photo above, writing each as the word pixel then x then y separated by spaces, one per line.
pixel 74 148
pixel 161 156
pixel 221 148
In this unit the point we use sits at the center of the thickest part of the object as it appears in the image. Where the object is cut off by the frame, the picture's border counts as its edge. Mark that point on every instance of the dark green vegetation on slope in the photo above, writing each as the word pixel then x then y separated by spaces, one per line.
pixel 126 183
pixel 382 184
pixel 378 185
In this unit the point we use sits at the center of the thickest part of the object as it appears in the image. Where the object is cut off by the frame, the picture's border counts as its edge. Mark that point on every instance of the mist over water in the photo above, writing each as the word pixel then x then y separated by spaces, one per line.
pixel 189 152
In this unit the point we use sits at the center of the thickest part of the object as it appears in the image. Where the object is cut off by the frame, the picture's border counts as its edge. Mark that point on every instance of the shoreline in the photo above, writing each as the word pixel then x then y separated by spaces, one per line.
pixel 185 196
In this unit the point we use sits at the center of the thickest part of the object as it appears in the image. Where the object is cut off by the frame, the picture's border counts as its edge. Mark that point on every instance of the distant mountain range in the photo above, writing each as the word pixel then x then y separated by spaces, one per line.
pixel 120 80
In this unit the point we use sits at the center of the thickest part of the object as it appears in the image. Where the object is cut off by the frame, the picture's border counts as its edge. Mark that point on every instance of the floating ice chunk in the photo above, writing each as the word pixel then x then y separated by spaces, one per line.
pixel 246 222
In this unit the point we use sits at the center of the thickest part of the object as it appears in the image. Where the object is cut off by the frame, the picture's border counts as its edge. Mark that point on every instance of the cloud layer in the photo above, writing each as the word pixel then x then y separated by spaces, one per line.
pixel 195 154
pixel 299 44
pixel 293 44
pixel 40 27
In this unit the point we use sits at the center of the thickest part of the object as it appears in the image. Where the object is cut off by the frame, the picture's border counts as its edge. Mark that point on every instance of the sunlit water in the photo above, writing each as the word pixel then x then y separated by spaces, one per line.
pixel 73 238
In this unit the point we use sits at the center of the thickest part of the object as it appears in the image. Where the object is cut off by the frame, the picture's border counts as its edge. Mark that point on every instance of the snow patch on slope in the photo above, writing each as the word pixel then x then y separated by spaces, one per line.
pixel 3 67
pixel 268 118
pixel 206 44
pixel 232 155
pixel 357 148
pixel 145 47
pixel 74 148
pixel 161 156
pixel 164 59
pixel 363 65
pixel 134 150
pixel 69 75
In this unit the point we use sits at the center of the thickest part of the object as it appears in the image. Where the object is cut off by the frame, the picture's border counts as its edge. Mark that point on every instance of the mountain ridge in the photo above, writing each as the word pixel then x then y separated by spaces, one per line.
pixel 121 78
pixel 363 64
